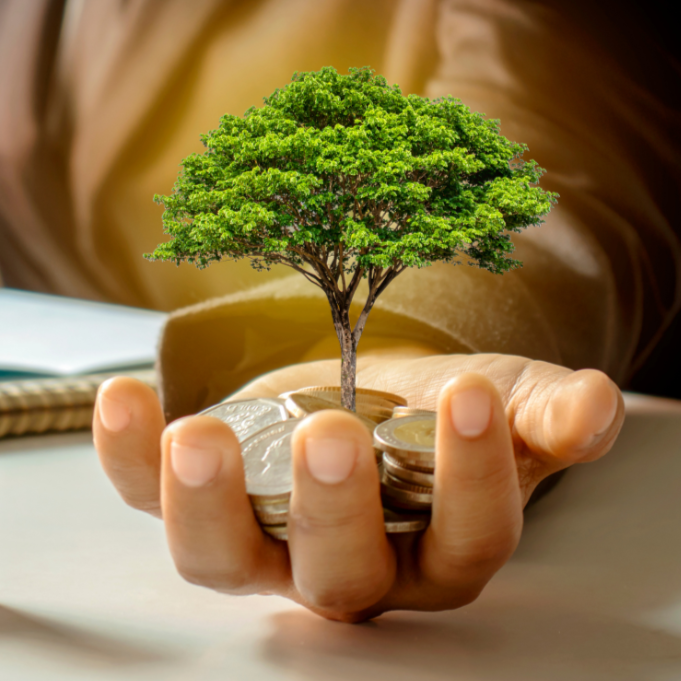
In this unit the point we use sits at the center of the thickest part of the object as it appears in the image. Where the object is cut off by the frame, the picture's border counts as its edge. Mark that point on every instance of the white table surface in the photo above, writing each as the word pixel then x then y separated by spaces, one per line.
pixel 88 591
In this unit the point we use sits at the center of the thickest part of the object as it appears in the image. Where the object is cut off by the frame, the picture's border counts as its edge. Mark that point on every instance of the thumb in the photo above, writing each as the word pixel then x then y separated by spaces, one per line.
pixel 573 419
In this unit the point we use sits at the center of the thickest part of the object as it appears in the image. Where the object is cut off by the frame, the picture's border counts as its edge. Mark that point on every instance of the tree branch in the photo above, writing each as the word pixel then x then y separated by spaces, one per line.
pixel 334 263
pixel 342 265
pixel 378 283
pixel 354 282
pixel 317 281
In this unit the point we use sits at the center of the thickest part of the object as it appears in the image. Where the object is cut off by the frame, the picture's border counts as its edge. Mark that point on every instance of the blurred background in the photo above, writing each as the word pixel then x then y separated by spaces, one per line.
pixel 101 99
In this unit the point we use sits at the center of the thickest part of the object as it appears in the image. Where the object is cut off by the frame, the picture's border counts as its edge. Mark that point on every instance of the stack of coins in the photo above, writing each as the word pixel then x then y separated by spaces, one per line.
pixel 269 476
pixel 264 428
pixel 408 446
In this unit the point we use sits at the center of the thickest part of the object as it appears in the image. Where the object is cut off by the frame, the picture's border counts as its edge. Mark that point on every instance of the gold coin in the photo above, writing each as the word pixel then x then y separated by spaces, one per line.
pixel 397 523
pixel 374 413
pixel 308 400
pixel 362 395
pixel 406 486
pixel 301 405
pixel 404 495
pixel 370 418
pixel 409 437
pixel 415 477
pixel 270 501
pixel 277 531
pixel 265 500
pixel 399 412
pixel 277 515
pixel 420 433
pixel 269 504
pixel 413 465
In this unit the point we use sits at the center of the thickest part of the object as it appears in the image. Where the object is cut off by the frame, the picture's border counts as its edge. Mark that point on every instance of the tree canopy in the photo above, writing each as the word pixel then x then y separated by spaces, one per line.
pixel 341 175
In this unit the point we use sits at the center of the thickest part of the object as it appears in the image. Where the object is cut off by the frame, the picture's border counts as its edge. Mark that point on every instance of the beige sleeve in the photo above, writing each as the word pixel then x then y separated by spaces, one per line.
pixel 600 279
pixel 603 271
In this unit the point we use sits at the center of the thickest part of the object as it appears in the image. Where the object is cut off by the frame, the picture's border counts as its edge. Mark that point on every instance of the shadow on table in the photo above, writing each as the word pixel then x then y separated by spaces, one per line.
pixel 68 640
pixel 586 596
pixel 495 642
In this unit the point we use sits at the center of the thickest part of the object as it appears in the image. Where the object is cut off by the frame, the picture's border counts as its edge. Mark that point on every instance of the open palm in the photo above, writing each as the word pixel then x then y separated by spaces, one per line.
pixel 504 424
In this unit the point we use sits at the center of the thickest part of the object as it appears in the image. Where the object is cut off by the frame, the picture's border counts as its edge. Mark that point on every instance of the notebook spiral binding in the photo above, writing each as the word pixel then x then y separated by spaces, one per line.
pixel 54 404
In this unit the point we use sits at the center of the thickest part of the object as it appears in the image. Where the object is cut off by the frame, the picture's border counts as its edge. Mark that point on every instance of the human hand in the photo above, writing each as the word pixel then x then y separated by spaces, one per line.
pixel 537 418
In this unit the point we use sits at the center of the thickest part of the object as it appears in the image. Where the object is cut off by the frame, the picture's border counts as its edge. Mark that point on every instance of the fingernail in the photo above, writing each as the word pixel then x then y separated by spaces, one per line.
pixel 608 416
pixel 115 415
pixel 194 466
pixel 471 412
pixel 329 460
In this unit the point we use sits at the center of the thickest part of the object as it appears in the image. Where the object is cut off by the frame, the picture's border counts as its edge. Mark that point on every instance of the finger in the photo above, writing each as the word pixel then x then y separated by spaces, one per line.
pixel 212 532
pixel 566 416
pixel 477 513
pixel 127 426
pixel 340 556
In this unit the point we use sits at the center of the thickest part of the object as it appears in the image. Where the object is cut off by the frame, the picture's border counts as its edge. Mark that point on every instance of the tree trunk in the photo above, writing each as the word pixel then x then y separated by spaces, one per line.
pixel 340 311
pixel 349 340
pixel 348 369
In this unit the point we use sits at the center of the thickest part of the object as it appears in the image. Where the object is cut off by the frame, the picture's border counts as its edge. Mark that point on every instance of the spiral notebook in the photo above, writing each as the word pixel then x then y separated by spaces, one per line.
pixel 55 352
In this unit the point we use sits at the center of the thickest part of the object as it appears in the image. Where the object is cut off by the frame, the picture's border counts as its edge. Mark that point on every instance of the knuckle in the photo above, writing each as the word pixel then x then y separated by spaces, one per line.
pixel 479 560
pixel 493 553
pixel 140 502
pixel 519 382
pixel 533 384
pixel 342 599
pixel 228 581
pixel 345 590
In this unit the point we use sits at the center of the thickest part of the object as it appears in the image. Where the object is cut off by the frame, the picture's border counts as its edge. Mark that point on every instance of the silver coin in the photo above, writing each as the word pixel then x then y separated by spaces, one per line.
pixel 394 523
pixel 398 470
pixel 397 523
pixel 271 513
pixel 277 531
pixel 403 495
pixel 272 517
pixel 414 465
pixel 396 483
pixel 267 462
pixel 409 437
pixel 247 417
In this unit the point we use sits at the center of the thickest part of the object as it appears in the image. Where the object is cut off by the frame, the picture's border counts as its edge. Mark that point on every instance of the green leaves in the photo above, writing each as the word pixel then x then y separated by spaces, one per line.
pixel 343 173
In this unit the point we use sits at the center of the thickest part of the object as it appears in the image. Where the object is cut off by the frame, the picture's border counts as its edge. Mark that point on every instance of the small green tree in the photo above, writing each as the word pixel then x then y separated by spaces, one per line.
pixel 344 178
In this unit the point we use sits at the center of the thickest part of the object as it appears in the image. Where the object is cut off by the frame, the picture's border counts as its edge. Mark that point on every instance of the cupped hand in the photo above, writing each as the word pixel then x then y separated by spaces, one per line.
pixel 504 424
